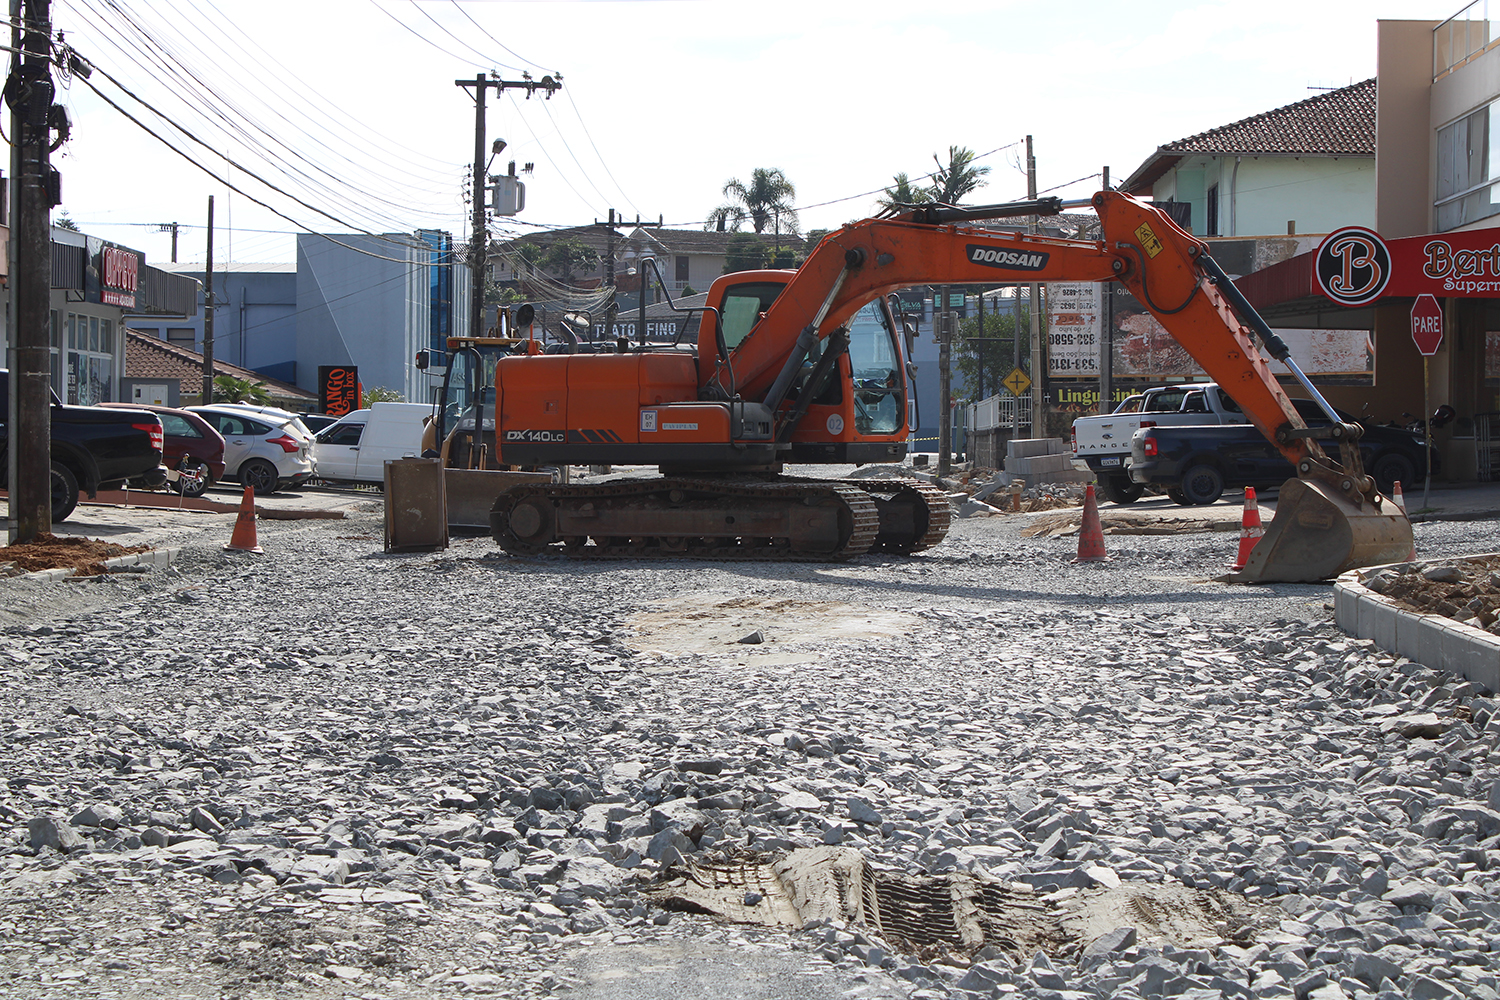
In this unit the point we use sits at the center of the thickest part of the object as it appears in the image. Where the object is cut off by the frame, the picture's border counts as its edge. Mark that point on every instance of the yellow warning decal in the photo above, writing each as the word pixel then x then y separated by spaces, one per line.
pixel 1148 239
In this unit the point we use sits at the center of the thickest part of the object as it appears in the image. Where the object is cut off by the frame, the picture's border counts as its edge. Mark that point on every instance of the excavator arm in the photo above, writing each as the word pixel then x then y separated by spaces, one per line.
pixel 1334 516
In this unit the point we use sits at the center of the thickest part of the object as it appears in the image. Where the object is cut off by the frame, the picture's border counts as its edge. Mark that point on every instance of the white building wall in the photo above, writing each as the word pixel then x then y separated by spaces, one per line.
pixel 1317 193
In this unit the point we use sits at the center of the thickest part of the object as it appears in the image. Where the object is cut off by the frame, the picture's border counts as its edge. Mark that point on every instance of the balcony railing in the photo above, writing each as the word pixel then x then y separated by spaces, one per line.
pixel 1461 38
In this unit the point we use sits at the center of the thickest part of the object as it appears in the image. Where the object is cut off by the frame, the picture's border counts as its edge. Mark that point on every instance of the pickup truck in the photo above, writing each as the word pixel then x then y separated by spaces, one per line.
pixel 1194 465
pixel 1101 444
pixel 93 448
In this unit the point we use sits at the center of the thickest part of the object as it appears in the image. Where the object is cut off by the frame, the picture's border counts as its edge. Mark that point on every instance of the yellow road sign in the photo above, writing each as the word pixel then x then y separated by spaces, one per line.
pixel 1017 382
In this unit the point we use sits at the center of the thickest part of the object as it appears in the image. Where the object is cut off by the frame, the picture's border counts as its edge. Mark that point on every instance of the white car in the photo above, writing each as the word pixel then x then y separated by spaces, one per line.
pixel 264 447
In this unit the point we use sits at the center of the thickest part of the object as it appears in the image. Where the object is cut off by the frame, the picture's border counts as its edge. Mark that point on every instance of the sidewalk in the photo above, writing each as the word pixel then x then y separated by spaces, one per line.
pixel 155 519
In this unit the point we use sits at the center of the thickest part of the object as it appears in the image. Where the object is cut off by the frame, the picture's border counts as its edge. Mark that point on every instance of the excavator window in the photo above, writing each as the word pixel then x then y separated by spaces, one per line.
pixel 875 366
pixel 743 307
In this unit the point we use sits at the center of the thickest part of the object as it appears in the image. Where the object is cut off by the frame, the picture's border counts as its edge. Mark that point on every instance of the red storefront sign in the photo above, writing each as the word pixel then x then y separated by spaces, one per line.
pixel 1354 265
pixel 119 278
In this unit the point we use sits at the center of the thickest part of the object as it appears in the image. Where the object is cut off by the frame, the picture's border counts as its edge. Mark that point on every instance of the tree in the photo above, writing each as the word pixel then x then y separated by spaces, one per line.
pixel 65 221
pixel 952 182
pixel 228 389
pixel 992 358
pixel 380 394
pixel 744 253
pixel 567 255
pixel 765 201
pixel 902 192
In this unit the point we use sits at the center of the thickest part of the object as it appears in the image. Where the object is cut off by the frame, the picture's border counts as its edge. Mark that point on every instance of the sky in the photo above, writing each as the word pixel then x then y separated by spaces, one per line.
pixel 350 107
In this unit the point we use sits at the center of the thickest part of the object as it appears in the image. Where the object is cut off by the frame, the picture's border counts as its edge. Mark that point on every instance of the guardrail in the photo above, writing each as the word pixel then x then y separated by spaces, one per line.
pixel 1465 35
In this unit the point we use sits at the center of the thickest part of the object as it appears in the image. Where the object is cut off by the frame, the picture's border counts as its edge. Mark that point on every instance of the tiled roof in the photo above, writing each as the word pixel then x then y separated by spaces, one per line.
pixel 1338 123
pixel 151 357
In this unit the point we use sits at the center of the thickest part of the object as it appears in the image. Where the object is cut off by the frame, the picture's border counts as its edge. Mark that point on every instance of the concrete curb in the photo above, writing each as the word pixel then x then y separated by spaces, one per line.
pixel 153 558
pixel 1431 640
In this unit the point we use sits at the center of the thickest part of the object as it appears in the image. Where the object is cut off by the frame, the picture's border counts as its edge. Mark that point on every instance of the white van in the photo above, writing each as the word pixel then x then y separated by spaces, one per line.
pixel 356 446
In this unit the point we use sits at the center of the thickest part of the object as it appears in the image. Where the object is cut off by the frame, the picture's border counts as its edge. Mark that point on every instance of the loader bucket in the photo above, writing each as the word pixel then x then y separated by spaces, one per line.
pixel 1317 534
pixel 472 492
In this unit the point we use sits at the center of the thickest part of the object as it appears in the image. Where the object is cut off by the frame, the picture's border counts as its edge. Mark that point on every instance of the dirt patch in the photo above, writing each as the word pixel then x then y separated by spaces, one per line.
pixel 958 913
pixel 84 555
pixel 1119 522
pixel 1466 590
pixel 717 624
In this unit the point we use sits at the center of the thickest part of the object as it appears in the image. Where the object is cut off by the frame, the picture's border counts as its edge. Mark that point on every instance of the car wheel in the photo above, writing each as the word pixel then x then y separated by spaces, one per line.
pixel 64 492
pixel 192 488
pixel 1119 489
pixel 1202 485
pixel 1178 497
pixel 259 475
pixel 1391 468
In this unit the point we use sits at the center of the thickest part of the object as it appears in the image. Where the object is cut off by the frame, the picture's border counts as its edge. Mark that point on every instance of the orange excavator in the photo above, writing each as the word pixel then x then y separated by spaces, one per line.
pixel 808 367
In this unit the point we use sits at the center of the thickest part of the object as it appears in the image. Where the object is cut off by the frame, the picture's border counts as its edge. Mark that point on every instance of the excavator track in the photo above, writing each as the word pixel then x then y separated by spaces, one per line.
pixel 796 521
pixel 913 516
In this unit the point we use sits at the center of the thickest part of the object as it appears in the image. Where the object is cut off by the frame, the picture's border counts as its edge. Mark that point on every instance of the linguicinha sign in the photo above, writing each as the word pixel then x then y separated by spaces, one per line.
pixel 1354 266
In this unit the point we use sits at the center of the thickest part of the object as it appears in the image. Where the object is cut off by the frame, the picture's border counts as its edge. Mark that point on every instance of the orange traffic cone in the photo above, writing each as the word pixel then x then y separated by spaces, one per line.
pixel 1400 501
pixel 243 539
pixel 1250 530
pixel 1091 535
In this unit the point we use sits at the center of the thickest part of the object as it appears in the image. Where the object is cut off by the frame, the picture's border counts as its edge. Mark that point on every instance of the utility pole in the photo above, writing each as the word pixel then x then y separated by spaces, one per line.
pixel 479 243
pixel 170 227
pixel 613 309
pixel 945 382
pixel 1036 299
pixel 640 272
pixel 208 312
pixel 1106 339
pixel 30 455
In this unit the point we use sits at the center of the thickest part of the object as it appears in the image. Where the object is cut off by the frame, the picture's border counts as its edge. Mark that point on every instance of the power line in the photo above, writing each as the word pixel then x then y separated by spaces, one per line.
pixel 246 194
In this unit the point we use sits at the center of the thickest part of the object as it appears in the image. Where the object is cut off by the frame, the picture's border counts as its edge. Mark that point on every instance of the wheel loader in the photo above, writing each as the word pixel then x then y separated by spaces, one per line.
pixel 809 367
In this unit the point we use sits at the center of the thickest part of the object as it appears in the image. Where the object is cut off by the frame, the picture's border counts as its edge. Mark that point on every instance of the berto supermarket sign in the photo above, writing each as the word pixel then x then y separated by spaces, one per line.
pixel 1353 266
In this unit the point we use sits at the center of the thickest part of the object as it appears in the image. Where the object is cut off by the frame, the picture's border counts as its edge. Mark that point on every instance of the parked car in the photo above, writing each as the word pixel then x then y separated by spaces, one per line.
pixel 264 448
pixel 317 421
pixel 192 446
pixel 1195 464
pixel 93 449
pixel 1101 443
pixel 271 412
pixel 356 447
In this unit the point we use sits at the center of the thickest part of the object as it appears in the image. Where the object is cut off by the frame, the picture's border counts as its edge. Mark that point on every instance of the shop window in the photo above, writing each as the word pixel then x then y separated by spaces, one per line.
pixel 1468 165
pixel 90 359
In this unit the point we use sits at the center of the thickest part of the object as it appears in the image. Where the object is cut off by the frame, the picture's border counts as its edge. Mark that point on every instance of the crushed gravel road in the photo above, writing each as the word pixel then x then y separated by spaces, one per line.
pixel 330 771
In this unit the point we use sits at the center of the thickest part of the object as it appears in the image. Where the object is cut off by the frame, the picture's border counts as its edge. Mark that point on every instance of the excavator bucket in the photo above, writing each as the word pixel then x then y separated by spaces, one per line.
pixel 1317 534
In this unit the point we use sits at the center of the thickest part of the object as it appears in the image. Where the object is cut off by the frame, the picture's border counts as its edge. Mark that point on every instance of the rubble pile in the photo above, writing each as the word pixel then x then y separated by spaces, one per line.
pixel 333 771
pixel 1466 590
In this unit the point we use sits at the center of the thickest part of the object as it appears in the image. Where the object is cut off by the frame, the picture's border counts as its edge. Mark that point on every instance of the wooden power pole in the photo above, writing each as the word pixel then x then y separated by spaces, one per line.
pixel 208 312
pixel 30 453
pixel 479 242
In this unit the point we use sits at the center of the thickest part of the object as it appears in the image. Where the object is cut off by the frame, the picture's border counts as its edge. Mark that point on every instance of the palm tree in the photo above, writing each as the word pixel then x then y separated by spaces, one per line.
pixel 766 199
pixel 959 177
pixel 901 193
pixel 228 389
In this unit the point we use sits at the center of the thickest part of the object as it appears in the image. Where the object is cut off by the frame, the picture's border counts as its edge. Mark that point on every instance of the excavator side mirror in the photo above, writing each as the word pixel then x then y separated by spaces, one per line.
pixel 524 315
pixel 910 333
